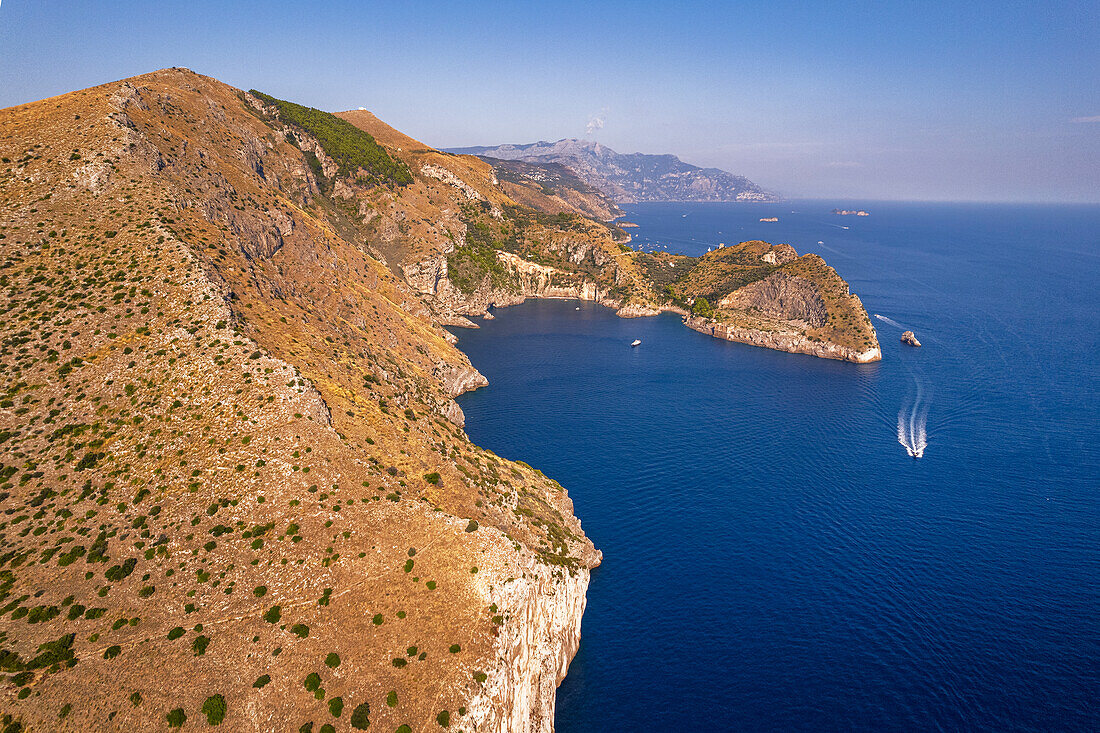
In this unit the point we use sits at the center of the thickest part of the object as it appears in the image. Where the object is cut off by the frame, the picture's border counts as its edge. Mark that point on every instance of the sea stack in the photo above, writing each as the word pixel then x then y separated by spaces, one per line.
pixel 909 338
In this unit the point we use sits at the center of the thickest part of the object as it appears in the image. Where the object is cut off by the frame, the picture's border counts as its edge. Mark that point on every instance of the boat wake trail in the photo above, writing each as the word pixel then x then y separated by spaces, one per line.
pixel 891 321
pixel 913 421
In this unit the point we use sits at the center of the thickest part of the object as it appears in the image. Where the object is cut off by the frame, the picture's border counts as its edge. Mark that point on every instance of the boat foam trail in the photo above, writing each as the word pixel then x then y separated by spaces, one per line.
pixel 913 422
pixel 891 321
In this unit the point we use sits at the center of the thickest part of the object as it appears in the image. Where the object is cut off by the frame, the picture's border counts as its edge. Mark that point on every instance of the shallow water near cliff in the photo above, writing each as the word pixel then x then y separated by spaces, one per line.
pixel 774 559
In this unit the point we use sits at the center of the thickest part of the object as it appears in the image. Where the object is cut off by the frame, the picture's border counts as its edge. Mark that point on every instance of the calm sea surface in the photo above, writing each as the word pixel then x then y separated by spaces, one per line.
pixel 774 558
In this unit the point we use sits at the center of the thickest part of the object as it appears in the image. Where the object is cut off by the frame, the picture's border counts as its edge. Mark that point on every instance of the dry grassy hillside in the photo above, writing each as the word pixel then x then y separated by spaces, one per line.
pixel 235 487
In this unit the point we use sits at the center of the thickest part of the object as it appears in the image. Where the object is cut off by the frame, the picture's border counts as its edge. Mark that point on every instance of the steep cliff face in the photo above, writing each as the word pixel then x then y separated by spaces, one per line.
pixel 535 650
pixel 780 295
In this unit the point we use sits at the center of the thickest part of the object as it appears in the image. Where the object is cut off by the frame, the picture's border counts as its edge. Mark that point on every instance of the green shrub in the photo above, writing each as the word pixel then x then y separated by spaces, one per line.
pixel 120 572
pixel 198 646
pixel 433 478
pixel 391 698
pixel 175 633
pixel 353 150
pixel 112 652
pixel 261 681
pixel 469 265
pixel 444 718
pixel 360 716
pixel 472 526
pixel 300 630
pixel 273 614
pixel 312 682
pixel 702 307
pixel 176 718
pixel 455 649
pixel 214 708
pixel 378 619
pixel 332 661
pixel 259 591
pixel 336 706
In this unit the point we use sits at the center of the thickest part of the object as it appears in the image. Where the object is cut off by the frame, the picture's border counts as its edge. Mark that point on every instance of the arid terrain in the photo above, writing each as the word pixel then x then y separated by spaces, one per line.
pixel 236 486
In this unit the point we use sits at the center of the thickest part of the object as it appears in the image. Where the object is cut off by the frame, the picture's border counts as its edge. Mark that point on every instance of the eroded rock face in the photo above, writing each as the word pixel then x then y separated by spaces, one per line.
pixel 909 338
pixel 780 295
pixel 534 654
pixel 789 341
pixel 780 254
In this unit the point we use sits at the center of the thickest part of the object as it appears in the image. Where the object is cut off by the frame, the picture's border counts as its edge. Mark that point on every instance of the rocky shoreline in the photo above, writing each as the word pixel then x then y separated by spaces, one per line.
pixel 791 342
pixel 537 281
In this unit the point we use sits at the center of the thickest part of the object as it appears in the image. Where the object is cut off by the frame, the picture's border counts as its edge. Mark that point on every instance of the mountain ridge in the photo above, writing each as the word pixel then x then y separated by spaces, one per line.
pixel 630 177
pixel 229 445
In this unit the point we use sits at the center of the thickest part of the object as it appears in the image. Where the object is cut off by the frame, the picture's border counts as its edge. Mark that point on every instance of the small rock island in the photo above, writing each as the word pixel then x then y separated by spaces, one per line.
pixel 850 212
pixel 909 338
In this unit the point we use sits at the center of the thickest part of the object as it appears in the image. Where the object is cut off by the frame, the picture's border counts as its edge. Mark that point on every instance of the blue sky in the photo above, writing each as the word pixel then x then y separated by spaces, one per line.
pixel 909 100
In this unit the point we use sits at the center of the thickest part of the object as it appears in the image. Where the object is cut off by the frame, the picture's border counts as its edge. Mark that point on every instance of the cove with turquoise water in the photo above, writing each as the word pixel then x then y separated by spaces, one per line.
pixel 774 559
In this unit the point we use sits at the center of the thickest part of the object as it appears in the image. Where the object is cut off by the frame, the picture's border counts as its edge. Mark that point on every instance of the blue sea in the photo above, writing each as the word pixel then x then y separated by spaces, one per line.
pixel 774 559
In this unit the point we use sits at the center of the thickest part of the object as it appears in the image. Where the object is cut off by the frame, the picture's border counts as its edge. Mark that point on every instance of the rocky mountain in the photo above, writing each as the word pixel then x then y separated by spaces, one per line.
pixel 234 481
pixel 627 178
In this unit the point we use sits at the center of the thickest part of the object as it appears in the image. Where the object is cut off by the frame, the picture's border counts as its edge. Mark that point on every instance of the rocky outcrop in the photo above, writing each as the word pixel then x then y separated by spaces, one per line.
pixel 780 295
pixel 532 280
pixel 789 341
pixel 633 310
pixel 910 338
pixel 541 608
pixel 537 642
pixel 459 380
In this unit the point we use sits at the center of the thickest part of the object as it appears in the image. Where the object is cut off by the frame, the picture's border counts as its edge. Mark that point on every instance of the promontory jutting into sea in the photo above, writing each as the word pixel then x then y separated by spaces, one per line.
pixel 313 423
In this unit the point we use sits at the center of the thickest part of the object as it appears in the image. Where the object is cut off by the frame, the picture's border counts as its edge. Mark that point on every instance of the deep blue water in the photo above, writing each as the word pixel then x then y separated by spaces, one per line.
pixel 774 559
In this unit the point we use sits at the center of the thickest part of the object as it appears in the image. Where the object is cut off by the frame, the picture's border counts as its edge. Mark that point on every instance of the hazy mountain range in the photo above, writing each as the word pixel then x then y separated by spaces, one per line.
pixel 627 178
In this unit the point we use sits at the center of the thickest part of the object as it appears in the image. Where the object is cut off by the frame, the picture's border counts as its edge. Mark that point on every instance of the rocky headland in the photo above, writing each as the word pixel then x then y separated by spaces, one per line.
pixel 237 482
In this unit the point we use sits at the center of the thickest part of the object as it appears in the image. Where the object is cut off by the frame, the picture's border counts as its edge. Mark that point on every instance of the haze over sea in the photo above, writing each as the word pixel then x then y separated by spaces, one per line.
pixel 773 557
